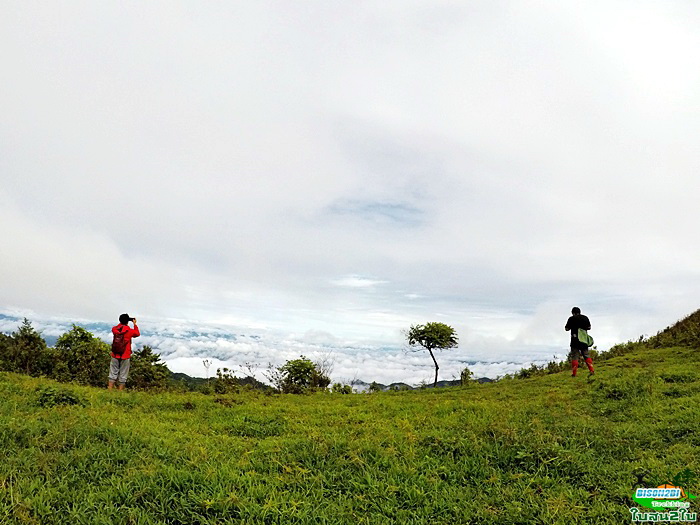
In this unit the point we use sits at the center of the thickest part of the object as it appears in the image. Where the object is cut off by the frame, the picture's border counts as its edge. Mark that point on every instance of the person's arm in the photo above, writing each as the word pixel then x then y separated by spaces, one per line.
pixel 568 325
pixel 135 329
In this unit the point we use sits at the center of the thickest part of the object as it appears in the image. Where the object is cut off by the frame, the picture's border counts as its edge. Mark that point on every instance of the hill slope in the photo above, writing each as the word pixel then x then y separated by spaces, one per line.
pixel 551 449
pixel 685 332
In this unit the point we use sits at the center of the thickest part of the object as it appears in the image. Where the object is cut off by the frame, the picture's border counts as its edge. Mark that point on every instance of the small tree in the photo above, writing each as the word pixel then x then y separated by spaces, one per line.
pixel 147 370
pixel 432 336
pixel 226 382
pixel 81 357
pixel 340 388
pixel 301 375
pixel 466 376
pixel 24 351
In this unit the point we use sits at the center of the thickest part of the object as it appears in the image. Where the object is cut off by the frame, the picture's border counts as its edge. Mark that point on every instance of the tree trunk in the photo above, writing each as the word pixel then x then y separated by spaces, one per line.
pixel 436 367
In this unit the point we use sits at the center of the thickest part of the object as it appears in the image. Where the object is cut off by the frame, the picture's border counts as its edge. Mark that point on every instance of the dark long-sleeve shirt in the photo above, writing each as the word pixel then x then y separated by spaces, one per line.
pixel 573 324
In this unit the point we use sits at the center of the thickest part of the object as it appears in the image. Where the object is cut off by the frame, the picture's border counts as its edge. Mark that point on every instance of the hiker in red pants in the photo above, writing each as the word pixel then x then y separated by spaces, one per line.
pixel 578 321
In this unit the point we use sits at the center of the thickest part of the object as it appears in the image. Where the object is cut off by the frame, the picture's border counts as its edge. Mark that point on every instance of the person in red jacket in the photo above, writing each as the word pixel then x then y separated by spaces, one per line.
pixel 120 363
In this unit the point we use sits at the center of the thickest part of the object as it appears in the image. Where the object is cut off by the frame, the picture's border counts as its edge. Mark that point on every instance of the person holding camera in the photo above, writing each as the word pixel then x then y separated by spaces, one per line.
pixel 121 351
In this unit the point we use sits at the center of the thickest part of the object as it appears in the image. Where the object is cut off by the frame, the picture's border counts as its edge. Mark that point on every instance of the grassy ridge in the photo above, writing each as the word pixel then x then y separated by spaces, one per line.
pixel 551 449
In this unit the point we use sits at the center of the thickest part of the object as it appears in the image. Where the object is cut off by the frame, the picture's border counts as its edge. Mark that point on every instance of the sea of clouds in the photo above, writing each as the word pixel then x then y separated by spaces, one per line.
pixel 184 346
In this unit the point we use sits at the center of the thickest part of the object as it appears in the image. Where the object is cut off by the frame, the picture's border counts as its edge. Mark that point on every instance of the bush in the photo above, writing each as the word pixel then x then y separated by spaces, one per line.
pixel 621 349
pixel 225 382
pixel 148 371
pixel 24 351
pixel 466 376
pixel 81 357
pixel 339 388
pixel 299 376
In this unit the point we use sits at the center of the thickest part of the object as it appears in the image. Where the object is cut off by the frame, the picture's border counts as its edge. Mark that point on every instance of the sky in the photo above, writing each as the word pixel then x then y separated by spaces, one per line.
pixel 327 174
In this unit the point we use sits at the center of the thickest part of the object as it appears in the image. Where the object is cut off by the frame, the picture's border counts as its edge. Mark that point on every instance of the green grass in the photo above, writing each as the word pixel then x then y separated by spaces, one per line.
pixel 551 449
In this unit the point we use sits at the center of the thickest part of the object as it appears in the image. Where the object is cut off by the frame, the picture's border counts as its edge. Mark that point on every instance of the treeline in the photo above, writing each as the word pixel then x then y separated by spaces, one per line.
pixel 78 357
pixel 82 358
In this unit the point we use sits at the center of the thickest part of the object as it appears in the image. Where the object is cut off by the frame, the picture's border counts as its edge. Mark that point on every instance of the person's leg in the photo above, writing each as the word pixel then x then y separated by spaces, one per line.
pixel 588 360
pixel 573 357
pixel 124 373
pixel 113 372
pixel 589 364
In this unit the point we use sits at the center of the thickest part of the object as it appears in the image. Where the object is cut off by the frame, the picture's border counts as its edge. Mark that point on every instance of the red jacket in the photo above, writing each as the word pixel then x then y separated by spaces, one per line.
pixel 129 333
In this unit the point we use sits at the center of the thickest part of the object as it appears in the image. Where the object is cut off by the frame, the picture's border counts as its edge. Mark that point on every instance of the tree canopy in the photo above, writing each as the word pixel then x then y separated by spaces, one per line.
pixel 432 336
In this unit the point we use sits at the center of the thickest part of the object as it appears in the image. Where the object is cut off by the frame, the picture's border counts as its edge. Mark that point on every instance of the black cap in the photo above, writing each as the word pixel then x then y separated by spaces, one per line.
pixel 124 318
pixel 575 310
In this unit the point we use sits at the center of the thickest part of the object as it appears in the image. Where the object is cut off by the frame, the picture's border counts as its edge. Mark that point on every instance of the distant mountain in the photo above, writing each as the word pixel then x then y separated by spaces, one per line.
pixel 363 386
pixel 195 383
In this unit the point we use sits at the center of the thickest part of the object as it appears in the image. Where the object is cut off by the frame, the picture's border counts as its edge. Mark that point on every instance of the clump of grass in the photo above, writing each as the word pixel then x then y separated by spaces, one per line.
pixel 51 396
pixel 683 377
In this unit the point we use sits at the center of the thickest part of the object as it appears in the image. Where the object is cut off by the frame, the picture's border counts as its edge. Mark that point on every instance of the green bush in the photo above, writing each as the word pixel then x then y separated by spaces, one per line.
pixel 24 351
pixel 299 376
pixel 339 388
pixel 147 371
pixel 81 357
pixel 466 376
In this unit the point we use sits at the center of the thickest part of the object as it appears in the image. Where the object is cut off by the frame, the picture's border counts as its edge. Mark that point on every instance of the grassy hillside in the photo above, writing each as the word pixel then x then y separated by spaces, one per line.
pixel 550 449
pixel 685 332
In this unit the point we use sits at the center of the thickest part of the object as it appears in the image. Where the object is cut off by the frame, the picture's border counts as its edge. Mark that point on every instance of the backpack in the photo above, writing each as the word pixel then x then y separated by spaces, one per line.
pixel 119 344
pixel 584 338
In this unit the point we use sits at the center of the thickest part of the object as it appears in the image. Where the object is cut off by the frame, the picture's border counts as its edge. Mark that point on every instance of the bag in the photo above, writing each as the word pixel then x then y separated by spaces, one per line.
pixel 119 344
pixel 584 338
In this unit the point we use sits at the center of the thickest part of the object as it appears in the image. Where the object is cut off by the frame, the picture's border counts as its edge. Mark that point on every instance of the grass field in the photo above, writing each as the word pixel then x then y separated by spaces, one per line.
pixel 550 449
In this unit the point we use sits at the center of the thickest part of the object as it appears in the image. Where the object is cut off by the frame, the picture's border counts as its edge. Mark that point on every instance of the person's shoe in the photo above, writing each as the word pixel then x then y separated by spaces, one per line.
pixel 591 372
pixel 573 375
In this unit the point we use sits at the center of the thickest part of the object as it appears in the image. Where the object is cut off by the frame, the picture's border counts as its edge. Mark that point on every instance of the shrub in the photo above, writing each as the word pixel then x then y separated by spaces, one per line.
pixel 299 376
pixel 147 370
pixel 225 382
pixel 80 357
pixel 466 376
pixel 24 351
pixel 339 388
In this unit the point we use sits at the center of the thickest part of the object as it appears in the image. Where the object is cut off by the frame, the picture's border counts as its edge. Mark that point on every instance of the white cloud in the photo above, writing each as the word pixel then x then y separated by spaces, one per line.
pixel 355 281
pixel 353 169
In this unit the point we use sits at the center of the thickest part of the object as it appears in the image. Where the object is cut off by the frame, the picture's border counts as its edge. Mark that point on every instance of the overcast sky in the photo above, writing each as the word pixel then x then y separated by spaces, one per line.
pixel 342 170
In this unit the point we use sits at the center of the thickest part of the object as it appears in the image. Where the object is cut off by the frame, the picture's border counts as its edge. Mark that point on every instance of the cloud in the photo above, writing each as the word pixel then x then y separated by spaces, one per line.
pixel 353 169
pixel 185 345
pixel 378 212
pixel 356 281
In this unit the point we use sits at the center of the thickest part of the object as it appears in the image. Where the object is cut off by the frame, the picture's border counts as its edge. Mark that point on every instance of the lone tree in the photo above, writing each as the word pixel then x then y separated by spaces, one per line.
pixel 432 336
